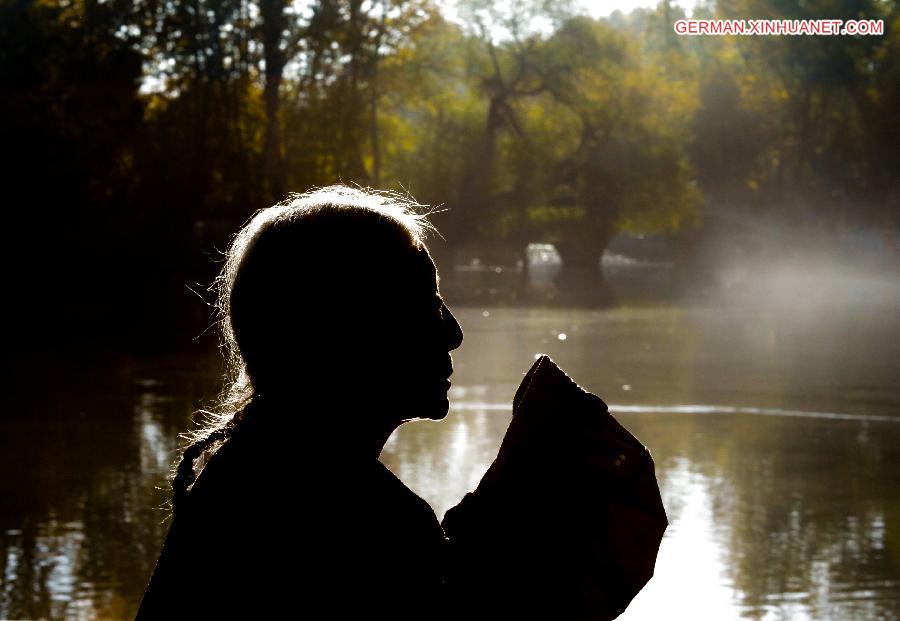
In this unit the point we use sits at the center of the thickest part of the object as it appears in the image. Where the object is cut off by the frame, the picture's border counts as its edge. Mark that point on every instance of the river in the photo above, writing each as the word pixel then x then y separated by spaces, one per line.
pixel 776 436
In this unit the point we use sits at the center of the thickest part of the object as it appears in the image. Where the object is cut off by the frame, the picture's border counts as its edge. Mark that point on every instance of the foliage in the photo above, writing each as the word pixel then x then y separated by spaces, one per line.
pixel 127 123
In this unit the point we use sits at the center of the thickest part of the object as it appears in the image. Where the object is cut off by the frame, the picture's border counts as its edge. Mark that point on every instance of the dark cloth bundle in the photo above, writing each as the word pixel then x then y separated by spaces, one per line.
pixel 567 521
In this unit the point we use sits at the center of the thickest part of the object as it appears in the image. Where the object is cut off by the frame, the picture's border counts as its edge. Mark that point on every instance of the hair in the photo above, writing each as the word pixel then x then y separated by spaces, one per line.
pixel 266 249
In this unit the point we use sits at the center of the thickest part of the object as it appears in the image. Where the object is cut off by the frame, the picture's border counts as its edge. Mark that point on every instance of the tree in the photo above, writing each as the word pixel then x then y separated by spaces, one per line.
pixel 628 168
pixel 69 113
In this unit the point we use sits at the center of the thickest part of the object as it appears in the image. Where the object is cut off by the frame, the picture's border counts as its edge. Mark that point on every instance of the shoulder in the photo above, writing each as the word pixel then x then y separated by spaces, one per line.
pixel 404 537
pixel 396 491
pixel 397 517
pixel 225 488
pixel 217 469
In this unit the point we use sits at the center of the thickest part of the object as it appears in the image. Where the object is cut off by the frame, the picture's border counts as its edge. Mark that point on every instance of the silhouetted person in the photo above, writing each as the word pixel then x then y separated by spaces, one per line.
pixel 335 334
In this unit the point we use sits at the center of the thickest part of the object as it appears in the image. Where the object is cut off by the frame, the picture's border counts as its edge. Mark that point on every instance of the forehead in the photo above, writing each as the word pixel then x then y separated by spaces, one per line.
pixel 407 279
pixel 405 294
pixel 424 269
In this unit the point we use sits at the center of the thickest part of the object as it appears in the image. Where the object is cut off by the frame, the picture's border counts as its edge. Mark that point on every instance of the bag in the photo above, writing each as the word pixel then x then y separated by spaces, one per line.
pixel 568 519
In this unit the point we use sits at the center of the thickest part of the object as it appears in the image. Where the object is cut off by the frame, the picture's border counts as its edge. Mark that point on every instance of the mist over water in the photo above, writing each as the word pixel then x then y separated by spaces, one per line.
pixel 806 285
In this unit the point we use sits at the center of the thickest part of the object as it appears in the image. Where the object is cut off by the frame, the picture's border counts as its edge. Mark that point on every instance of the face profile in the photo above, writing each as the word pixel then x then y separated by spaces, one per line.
pixel 419 364
pixel 334 293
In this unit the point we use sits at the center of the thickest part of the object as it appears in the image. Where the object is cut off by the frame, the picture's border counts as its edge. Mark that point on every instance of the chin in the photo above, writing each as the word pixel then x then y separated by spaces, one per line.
pixel 437 411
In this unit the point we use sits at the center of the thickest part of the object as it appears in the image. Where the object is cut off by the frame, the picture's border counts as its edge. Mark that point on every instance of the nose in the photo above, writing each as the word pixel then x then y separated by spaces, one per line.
pixel 452 328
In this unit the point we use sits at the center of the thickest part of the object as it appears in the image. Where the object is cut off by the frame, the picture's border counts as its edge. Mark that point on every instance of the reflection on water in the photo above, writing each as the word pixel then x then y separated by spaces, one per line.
pixel 771 518
pixel 777 442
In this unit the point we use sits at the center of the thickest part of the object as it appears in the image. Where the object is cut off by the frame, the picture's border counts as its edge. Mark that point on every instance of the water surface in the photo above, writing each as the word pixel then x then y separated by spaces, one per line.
pixel 775 435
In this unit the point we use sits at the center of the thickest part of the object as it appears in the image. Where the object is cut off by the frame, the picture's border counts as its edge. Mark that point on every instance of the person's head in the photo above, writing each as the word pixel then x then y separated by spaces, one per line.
pixel 332 296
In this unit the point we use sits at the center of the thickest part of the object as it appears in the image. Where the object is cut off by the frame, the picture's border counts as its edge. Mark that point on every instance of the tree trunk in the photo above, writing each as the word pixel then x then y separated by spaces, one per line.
pixel 580 281
pixel 376 144
pixel 273 26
